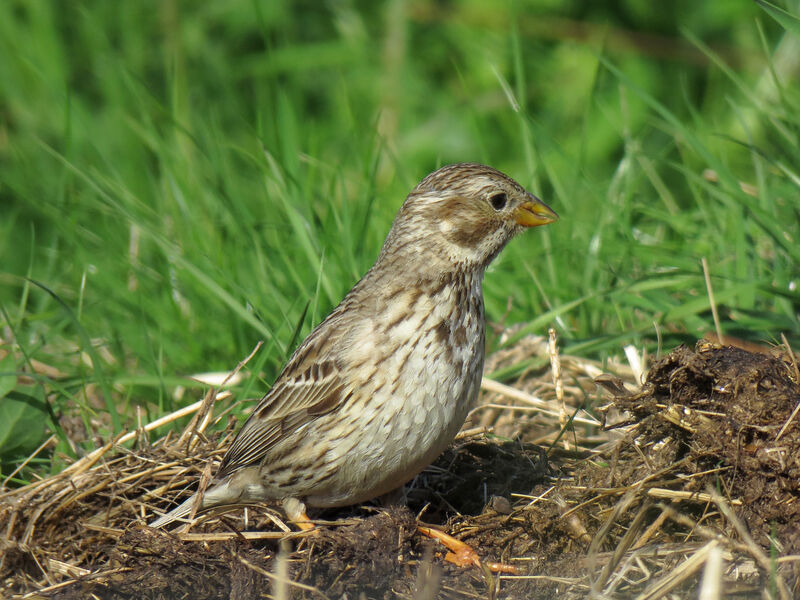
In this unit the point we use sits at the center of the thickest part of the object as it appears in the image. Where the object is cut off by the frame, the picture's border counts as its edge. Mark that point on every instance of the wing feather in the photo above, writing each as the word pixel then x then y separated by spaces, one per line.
pixel 292 402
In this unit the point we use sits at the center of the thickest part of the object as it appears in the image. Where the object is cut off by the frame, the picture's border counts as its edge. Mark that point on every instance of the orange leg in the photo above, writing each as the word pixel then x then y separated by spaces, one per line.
pixel 304 523
pixel 462 554
pixel 296 511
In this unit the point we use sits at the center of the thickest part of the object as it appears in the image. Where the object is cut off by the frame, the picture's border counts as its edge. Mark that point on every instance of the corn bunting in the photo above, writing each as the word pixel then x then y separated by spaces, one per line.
pixel 377 391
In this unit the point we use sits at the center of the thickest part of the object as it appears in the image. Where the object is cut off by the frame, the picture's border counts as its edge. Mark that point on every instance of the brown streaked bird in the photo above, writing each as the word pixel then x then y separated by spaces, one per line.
pixel 378 390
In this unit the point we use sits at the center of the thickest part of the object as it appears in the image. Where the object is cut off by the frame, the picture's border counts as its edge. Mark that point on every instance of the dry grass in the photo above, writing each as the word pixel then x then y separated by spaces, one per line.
pixel 632 507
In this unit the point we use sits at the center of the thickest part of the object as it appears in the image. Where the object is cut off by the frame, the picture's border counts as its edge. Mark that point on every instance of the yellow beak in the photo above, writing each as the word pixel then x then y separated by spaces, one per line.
pixel 533 213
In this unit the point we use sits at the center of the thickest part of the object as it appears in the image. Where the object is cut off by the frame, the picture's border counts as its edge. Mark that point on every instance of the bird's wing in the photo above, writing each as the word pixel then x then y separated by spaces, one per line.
pixel 314 382
pixel 309 386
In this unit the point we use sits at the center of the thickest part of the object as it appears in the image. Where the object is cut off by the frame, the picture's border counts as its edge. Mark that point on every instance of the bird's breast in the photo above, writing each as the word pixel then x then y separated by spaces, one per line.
pixel 417 364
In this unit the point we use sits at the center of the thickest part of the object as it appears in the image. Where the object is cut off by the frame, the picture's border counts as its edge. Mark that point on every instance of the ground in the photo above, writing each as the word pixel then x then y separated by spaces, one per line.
pixel 699 467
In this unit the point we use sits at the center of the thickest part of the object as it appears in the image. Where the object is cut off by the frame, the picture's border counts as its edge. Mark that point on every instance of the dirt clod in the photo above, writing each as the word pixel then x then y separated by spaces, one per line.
pixel 724 408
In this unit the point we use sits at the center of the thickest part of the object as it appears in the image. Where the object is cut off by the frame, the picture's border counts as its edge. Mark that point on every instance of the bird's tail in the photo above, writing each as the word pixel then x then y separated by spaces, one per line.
pixel 176 513
pixel 214 496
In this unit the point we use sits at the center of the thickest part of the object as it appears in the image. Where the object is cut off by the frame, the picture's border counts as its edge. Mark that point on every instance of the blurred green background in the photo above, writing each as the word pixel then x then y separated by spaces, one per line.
pixel 183 179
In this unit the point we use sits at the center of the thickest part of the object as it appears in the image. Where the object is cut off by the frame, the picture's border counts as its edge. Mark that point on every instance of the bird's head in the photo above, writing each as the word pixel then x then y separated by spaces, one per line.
pixel 463 215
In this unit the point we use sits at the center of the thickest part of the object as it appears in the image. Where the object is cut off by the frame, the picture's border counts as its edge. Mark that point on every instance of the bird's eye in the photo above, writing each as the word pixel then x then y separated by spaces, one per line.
pixel 498 201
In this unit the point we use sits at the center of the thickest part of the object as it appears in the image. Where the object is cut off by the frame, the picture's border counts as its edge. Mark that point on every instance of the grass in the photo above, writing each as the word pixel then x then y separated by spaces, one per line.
pixel 179 181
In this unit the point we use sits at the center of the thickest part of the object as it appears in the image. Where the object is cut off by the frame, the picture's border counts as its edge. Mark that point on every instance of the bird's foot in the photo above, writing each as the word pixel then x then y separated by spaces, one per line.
pixel 296 511
pixel 463 554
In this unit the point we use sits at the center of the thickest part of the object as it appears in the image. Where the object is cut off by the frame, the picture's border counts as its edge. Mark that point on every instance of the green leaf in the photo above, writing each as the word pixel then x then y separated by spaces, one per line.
pixel 8 375
pixel 22 419
pixel 786 19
